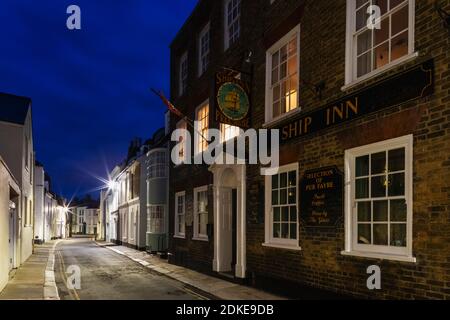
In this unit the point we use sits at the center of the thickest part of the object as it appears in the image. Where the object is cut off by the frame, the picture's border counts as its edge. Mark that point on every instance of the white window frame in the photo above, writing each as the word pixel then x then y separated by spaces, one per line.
pixel 162 228
pixel 270 241
pixel 202 68
pixel 183 77
pixel 177 233
pixel 198 140
pixel 351 78
pixel 182 124
pixel 227 39
pixel 197 235
pixel 352 248
pixel 270 120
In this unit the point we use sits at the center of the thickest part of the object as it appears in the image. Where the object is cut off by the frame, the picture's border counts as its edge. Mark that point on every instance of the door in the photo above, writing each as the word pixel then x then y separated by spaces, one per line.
pixel 12 215
pixel 226 226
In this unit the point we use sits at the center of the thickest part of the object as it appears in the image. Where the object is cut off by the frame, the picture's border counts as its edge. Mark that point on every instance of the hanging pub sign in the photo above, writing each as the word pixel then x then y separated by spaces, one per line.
pixel 321 197
pixel 232 101
pixel 414 83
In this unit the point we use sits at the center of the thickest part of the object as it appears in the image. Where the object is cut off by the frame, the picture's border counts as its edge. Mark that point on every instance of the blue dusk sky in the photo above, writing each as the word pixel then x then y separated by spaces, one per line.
pixel 89 87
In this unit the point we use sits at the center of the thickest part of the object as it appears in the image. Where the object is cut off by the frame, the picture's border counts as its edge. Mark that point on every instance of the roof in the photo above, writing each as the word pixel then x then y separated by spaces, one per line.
pixel 13 108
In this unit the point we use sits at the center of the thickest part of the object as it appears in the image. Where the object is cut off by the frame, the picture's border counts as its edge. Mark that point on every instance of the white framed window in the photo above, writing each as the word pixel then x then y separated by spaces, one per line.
pixel 232 22
pixel 201 213
pixel 281 226
pixel 183 74
pixel 282 76
pixel 157 164
pixel 155 219
pixel 372 50
pixel 378 199
pixel 182 142
pixel 203 50
pixel 228 132
pixel 180 214
pixel 202 127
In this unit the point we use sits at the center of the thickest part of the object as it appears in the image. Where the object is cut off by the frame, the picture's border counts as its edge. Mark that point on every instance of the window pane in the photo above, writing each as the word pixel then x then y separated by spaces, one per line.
pixel 395 3
pixel 283 180
pixel 382 4
pixel 398 235
pixel 275 182
pixel 274 76
pixel 293 231
pixel 382 34
pixel 361 17
pixel 293 214
pixel 364 41
pixel 275 199
pixel 283 54
pixel 292 66
pixel 293 46
pixel 364 212
pixel 400 20
pixel 362 166
pixel 397 160
pixel 380 211
pixel 379 163
pixel 285 230
pixel 285 214
pixel 275 59
pixel 398 210
pixel 362 188
pixel 397 184
pixel 292 195
pixel 364 234
pixel 276 214
pixel 380 234
pixel 283 70
pixel 365 64
pixel 293 179
pixel 276 230
pixel 399 46
pixel 359 3
pixel 276 93
pixel 381 55
pixel 379 185
pixel 283 196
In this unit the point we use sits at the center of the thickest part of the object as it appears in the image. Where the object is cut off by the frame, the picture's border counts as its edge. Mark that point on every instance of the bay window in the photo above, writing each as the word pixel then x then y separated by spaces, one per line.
pixel 155 219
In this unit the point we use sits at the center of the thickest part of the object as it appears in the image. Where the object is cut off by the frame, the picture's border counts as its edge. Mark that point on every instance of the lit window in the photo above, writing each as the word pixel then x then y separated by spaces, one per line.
pixel 155 219
pixel 183 73
pixel 228 132
pixel 204 42
pixel 201 213
pixel 180 226
pixel 157 167
pixel 232 22
pixel 372 50
pixel 202 125
pixel 282 79
pixel 379 204
pixel 281 191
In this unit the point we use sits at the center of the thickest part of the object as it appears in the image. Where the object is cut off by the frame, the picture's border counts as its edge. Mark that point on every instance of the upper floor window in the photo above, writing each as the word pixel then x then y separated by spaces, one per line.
pixel 157 165
pixel 204 48
pixel 282 75
pixel 182 151
pixel 183 73
pixel 27 152
pixel 375 45
pixel 379 198
pixel 202 126
pixel 232 22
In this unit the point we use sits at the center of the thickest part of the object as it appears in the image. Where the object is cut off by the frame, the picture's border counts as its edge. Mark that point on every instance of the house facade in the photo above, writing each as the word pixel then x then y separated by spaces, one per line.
pixel 16 149
pixel 362 113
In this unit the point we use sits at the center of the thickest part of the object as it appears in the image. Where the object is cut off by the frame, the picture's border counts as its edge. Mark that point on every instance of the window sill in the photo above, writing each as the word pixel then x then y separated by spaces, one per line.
pixel 279 119
pixel 204 239
pixel 377 72
pixel 179 237
pixel 282 246
pixel 381 256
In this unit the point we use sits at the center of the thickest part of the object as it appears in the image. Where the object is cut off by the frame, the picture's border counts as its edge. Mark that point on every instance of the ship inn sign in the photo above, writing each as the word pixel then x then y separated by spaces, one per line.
pixel 232 101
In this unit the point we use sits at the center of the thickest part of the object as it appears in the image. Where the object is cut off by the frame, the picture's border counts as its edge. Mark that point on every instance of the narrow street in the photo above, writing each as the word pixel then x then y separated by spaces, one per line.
pixel 106 275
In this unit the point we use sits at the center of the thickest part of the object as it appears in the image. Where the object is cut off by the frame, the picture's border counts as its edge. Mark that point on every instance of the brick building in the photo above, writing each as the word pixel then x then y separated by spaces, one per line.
pixel 363 114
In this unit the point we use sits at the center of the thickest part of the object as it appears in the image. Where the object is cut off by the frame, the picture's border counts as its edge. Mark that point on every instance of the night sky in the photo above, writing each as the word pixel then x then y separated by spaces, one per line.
pixel 89 87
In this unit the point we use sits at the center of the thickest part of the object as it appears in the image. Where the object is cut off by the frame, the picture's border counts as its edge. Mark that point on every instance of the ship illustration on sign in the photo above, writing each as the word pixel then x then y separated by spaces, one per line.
pixel 233 101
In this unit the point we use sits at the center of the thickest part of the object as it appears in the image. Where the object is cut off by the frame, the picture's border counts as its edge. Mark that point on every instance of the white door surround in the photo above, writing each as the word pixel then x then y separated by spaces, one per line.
pixel 227 178
pixel 12 236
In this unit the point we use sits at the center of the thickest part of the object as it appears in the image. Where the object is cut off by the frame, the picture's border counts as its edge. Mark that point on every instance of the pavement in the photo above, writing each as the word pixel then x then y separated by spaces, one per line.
pixel 33 280
pixel 213 287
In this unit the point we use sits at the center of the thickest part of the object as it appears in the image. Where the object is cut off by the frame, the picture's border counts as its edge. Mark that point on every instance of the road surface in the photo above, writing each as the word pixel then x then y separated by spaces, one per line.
pixel 106 275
